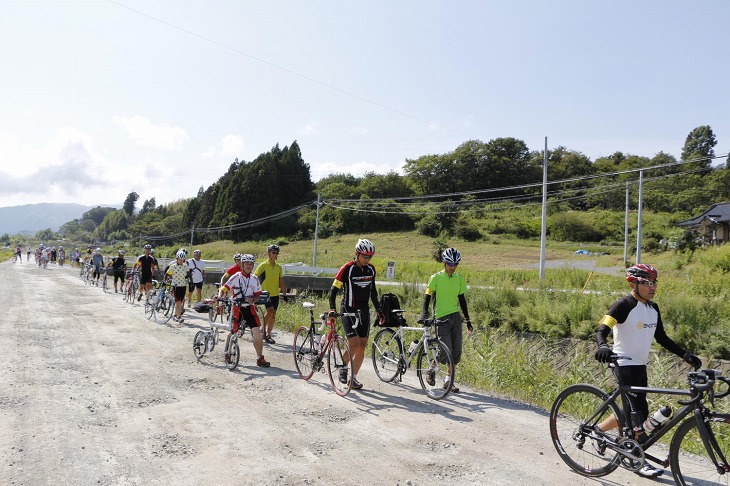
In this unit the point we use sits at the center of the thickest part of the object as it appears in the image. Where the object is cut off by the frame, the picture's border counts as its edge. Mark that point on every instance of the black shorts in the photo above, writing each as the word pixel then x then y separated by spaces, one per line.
pixel 246 315
pixel 192 286
pixel 273 302
pixel 145 278
pixel 634 376
pixel 118 275
pixel 179 293
pixel 348 323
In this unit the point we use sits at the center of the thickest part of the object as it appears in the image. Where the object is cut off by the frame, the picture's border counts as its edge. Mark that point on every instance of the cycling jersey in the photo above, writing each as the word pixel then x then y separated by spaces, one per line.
pixel 270 276
pixel 118 264
pixel 243 285
pixel 635 325
pixel 179 272
pixel 146 262
pixel 446 291
pixel 357 284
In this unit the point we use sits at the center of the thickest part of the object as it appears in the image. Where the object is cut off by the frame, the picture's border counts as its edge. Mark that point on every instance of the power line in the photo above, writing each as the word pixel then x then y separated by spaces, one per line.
pixel 290 71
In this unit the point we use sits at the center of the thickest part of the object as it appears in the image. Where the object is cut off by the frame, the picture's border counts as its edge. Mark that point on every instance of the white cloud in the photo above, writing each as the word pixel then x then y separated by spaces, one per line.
pixel 148 134
pixel 309 129
pixel 320 170
pixel 232 146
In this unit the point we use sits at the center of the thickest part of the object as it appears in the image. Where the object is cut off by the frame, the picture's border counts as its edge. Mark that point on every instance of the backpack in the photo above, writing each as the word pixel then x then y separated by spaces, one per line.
pixel 388 303
pixel 202 307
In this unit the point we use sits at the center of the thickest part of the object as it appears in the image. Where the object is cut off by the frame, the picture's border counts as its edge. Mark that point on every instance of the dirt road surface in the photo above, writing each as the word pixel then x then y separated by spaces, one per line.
pixel 92 393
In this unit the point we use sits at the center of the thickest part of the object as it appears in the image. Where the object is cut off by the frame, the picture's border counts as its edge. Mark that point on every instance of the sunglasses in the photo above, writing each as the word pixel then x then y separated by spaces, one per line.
pixel 453 264
pixel 649 283
pixel 366 257
pixel 274 252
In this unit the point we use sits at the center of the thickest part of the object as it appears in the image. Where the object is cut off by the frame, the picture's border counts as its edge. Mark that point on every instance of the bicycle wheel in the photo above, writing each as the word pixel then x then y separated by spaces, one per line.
pixel 386 354
pixel 690 462
pixel 166 308
pixel 200 344
pixel 149 306
pixel 232 354
pixel 579 445
pixel 104 283
pixel 305 352
pixel 339 366
pixel 435 369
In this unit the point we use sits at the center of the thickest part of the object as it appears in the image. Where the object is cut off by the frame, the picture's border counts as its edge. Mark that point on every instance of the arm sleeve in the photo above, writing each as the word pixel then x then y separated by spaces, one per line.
pixel 665 341
pixel 374 296
pixel 333 297
pixel 462 304
pixel 602 334
pixel 426 304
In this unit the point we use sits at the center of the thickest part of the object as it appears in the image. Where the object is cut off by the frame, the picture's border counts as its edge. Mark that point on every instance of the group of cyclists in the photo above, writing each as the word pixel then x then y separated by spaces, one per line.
pixel 634 320
pixel 43 255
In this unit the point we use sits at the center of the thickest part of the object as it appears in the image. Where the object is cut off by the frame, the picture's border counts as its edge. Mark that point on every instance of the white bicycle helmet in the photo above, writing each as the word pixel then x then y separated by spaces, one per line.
pixel 365 247
pixel 121 252
pixel 237 256
pixel 148 247
pixel 451 256
pixel 98 250
pixel 181 254
pixel 248 258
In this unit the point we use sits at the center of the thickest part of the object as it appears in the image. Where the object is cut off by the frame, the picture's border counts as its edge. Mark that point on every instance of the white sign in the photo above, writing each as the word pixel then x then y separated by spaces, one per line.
pixel 390 271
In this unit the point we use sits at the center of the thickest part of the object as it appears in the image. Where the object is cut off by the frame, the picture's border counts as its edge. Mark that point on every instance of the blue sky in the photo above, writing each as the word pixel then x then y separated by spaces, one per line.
pixel 99 98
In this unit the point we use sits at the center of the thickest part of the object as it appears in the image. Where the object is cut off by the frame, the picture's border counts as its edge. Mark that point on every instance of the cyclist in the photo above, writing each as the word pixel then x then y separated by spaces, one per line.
pixel 61 256
pixel 119 267
pixel 146 263
pixel 27 255
pixel 237 267
pixel 45 256
pixel 447 289
pixel 356 278
pixel 54 253
pixel 635 322
pixel 18 253
pixel 271 276
pixel 98 261
pixel 178 271
pixel 197 274
pixel 246 286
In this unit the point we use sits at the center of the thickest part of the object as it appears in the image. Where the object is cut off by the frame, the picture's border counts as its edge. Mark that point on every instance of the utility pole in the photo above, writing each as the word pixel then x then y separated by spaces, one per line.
pixel 626 227
pixel 638 225
pixel 316 230
pixel 543 231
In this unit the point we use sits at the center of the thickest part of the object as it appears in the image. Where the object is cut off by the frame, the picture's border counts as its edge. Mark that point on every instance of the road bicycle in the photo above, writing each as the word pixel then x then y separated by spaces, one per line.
pixel 434 363
pixel 160 305
pixel 131 286
pixel 309 350
pixel 105 280
pixel 699 449
pixel 205 341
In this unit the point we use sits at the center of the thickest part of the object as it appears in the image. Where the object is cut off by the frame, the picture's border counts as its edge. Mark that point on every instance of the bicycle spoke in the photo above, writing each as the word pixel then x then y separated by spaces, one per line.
pixel 434 368
pixel 690 461
pixel 305 353
pixel 339 366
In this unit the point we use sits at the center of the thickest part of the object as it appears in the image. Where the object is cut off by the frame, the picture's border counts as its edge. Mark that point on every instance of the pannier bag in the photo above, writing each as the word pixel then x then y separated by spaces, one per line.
pixel 389 303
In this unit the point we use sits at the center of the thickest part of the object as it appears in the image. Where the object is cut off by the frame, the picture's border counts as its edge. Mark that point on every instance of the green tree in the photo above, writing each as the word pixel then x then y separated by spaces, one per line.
pixel 147 206
pixel 45 235
pixel 130 202
pixel 700 144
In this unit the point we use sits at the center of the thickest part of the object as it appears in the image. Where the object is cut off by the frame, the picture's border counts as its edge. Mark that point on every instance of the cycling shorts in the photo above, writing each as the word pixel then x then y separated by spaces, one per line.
pixel 192 286
pixel 247 315
pixel 634 376
pixel 273 302
pixel 118 275
pixel 179 293
pixel 348 323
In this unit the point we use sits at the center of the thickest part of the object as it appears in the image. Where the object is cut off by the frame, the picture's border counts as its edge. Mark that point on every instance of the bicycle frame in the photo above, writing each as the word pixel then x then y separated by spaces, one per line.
pixel 693 406
pixel 405 356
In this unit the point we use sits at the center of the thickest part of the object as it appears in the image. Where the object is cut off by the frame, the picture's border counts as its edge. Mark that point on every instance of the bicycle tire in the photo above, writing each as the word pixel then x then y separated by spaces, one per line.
pixel 574 438
pixel 386 354
pixel 338 359
pixel 200 344
pixel 231 354
pixel 690 462
pixel 104 283
pixel 149 307
pixel 304 352
pixel 167 306
pixel 435 369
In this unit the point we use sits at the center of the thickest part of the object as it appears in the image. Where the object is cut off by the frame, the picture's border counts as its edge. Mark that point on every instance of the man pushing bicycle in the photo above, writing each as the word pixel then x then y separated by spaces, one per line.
pixel 636 321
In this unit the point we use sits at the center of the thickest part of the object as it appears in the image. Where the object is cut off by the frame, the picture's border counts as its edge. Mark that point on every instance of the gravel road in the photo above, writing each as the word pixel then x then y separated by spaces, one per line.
pixel 92 393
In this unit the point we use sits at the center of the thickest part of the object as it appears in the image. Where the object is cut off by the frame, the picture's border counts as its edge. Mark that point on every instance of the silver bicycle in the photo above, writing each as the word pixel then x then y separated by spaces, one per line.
pixel 434 364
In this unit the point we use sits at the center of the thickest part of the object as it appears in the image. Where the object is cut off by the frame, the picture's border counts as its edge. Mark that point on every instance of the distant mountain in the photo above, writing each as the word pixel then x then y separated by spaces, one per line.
pixel 31 218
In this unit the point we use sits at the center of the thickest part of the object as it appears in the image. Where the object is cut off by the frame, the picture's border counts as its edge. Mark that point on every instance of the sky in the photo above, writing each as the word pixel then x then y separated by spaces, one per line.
pixel 99 98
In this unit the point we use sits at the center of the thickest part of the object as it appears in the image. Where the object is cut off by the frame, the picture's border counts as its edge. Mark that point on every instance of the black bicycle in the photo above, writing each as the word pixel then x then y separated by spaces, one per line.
pixel 699 449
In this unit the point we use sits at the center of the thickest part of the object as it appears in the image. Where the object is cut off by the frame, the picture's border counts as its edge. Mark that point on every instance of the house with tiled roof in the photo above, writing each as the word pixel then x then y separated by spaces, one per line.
pixel 713 224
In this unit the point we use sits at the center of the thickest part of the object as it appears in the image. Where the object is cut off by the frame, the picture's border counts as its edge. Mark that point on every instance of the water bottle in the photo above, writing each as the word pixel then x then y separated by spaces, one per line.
pixel 659 417
pixel 413 346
